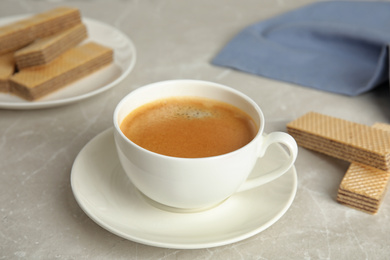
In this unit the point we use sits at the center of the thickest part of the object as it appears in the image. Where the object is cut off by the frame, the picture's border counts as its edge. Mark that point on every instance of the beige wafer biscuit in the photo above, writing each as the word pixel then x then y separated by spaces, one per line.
pixel 364 183
pixel 35 82
pixel 46 49
pixel 18 34
pixel 342 139
pixel 7 68
pixel 363 187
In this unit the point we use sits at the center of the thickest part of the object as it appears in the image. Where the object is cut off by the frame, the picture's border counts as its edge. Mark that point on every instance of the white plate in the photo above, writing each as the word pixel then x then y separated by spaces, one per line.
pixel 108 197
pixel 96 83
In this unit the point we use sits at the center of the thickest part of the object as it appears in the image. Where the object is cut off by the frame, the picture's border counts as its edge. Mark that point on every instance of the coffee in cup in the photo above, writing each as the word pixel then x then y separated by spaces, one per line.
pixel 189 127
pixel 180 182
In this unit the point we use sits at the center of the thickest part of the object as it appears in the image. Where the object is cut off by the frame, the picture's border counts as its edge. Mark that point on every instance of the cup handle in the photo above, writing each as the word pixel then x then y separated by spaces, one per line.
pixel 274 137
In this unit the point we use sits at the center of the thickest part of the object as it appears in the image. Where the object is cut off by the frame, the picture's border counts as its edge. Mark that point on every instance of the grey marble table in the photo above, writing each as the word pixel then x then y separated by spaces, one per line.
pixel 40 218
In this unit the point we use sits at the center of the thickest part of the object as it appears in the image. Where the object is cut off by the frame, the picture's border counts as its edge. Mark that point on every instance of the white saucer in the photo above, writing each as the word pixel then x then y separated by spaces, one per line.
pixel 96 83
pixel 106 195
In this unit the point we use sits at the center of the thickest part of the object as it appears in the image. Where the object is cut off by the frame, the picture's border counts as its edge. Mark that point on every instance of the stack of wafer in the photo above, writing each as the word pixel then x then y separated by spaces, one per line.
pixel 18 34
pixel 368 148
pixel 45 49
pixel 34 82
pixel 363 187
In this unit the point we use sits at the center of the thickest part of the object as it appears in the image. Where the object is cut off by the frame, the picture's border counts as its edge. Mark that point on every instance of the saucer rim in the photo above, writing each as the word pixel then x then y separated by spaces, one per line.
pixel 100 221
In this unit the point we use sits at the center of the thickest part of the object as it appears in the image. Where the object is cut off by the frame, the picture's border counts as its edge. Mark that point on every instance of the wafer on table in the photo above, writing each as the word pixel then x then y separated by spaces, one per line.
pixel 342 139
pixel 44 50
pixel 363 187
pixel 35 82
pixel 20 33
pixel 7 68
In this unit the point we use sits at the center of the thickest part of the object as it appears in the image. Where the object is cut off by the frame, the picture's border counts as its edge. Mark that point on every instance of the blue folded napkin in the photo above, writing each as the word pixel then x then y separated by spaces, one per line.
pixel 339 47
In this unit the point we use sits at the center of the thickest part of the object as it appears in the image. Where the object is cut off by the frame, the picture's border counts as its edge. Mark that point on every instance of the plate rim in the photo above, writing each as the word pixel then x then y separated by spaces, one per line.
pixel 64 101
pixel 161 244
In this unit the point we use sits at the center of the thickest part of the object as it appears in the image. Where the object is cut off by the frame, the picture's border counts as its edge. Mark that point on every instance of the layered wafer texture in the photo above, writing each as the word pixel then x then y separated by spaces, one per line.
pixel 7 68
pixel 35 82
pixel 363 187
pixel 342 139
pixel 44 50
pixel 21 33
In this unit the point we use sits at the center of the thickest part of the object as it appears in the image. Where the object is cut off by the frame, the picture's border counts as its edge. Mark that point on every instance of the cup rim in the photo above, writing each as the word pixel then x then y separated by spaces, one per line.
pixel 154 84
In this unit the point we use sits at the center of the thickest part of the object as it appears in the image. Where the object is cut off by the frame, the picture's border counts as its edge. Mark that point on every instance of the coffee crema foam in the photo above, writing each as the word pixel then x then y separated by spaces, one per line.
pixel 189 127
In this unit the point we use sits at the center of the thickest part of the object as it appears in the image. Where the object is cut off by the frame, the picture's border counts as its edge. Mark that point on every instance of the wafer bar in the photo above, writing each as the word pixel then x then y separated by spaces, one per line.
pixel 342 139
pixel 363 187
pixel 44 50
pixel 35 82
pixel 18 34
pixel 7 68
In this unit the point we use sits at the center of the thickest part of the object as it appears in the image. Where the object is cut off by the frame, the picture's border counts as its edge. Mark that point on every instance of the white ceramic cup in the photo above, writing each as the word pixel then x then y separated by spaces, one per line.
pixel 196 183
